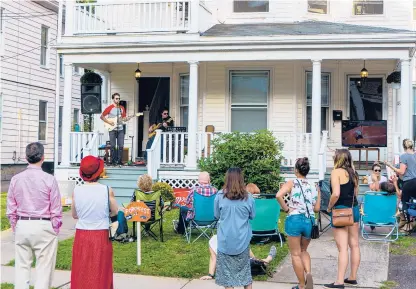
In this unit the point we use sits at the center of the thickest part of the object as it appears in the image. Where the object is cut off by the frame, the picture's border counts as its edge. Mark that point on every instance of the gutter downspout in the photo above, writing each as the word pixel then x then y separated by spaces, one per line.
pixel 57 93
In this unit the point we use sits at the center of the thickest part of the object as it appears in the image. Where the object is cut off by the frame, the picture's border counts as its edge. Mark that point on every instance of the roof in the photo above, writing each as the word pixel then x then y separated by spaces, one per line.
pixel 294 28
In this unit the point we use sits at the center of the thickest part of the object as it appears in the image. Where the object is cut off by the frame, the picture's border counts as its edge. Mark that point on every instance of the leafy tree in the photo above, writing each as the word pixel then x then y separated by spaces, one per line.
pixel 257 154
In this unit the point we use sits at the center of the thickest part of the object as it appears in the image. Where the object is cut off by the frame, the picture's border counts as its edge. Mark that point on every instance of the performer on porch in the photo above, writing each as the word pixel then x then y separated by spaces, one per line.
pixel 164 122
pixel 117 134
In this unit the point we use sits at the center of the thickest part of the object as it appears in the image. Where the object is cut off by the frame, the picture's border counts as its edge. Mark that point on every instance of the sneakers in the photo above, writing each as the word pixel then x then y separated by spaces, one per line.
pixel 332 285
pixel 272 252
pixel 350 282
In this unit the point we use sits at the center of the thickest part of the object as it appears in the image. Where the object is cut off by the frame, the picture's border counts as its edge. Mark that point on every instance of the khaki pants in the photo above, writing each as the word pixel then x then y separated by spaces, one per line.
pixel 35 237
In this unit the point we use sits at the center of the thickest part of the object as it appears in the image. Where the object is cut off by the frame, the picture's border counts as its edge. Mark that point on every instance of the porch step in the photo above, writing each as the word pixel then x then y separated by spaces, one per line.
pixel 120 182
pixel 126 170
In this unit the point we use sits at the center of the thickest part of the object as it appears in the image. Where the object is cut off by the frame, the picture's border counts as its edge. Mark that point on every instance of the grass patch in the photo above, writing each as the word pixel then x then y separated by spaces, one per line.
pixel 11 286
pixel 4 221
pixel 172 258
pixel 388 285
pixel 405 245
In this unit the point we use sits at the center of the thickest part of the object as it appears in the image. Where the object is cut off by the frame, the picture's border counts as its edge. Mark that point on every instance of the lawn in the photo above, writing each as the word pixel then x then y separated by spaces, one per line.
pixel 172 258
pixel 4 221
pixel 406 245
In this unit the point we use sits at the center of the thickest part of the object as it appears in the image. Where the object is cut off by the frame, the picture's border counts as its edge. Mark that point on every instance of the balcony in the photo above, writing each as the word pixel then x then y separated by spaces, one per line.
pixel 120 17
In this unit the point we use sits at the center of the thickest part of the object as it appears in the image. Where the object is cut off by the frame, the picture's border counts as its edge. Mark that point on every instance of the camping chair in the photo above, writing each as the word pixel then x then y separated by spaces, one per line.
pixel 379 210
pixel 155 203
pixel 204 221
pixel 267 217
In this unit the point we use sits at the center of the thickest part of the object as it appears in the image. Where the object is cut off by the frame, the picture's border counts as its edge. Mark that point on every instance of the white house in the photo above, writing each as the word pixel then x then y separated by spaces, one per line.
pixel 244 65
pixel 29 71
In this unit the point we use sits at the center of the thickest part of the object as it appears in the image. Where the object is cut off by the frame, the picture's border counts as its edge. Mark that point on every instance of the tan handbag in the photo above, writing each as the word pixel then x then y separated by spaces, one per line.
pixel 343 217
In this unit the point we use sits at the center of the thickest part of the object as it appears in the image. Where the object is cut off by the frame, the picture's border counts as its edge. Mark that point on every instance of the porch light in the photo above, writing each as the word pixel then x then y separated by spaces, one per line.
pixel 364 72
pixel 138 72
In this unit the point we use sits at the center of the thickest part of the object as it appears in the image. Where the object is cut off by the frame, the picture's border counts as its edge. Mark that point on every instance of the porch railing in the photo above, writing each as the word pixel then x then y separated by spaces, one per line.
pixel 295 145
pixel 132 16
pixel 322 157
pixel 153 156
pixel 83 144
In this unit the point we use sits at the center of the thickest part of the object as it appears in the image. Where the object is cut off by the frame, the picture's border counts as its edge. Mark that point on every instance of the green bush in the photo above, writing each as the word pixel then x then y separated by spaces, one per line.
pixel 257 154
pixel 167 191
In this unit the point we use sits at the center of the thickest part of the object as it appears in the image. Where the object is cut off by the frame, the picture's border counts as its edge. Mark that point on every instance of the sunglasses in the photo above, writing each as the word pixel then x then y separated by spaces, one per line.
pixel 117 98
pixel 377 171
pixel 165 113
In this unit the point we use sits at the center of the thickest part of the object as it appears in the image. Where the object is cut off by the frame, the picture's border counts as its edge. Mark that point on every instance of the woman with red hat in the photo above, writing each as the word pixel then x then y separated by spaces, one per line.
pixel 92 205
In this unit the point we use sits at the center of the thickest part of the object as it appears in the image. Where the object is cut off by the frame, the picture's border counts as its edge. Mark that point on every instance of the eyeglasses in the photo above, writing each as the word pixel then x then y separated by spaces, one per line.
pixel 377 171
pixel 165 113
pixel 117 98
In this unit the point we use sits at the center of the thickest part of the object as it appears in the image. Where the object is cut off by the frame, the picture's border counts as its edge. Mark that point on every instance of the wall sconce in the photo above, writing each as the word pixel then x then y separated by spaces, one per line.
pixel 364 73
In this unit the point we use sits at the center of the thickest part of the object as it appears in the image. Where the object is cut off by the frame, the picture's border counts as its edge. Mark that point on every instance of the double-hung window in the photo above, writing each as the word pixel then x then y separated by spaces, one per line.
pixel 325 97
pixel 249 91
pixel 414 10
pixel 60 124
pixel 44 46
pixel 184 99
pixel 244 6
pixel 318 7
pixel 368 7
pixel 43 120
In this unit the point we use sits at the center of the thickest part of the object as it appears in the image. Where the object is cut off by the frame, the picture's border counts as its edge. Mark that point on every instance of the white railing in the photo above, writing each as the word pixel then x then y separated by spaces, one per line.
pixel 83 144
pixel 322 156
pixel 397 143
pixel 295 145
pixel 132 17
pixel 153 156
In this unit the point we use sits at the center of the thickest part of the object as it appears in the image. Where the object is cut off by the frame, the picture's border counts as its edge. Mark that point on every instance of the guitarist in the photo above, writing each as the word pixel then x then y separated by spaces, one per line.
pixel 165 122
pixel 115 110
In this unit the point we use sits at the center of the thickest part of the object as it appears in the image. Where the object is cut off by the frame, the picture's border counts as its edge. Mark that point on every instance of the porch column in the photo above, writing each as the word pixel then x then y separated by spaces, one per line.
pixel 192 115
pixel 406 117
pixel 316 111
pixel 66 115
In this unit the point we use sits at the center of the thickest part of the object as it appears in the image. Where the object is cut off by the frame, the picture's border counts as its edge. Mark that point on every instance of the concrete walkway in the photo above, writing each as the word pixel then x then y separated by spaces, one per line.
pixel 372 271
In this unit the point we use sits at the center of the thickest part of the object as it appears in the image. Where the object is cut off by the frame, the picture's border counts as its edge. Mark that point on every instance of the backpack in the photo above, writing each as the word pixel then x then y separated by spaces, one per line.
pixel 258 267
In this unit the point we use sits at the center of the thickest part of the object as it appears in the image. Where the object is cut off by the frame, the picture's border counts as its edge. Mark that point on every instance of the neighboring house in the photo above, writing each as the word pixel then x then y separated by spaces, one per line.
pixel 285 66
pixel 28 81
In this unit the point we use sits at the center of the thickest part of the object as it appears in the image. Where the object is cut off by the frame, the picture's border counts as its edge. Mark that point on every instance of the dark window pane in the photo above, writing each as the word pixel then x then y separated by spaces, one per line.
pixel 42 131
pixel 42 110
pixel 368 7
pixel 319 7
pixel 324 119
pixel 366 99
pixel 248 119
pixel 251 6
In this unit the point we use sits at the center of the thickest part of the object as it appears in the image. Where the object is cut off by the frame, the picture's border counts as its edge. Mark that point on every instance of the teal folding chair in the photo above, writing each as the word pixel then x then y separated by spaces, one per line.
pixel 379 211
pixel 265 224
pixel 204 221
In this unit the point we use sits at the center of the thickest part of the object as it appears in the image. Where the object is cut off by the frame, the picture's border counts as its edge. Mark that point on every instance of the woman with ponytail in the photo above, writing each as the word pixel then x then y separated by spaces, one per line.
pixel 344 191
pixel 303 202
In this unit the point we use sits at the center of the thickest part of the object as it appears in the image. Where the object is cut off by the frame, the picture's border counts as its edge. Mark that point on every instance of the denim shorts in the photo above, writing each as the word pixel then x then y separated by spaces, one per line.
pixel 355 212
pixel 299 226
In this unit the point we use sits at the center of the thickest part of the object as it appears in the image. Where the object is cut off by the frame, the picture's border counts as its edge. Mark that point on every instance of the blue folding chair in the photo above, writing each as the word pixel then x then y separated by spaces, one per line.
pixel 379 211
pixel 204 221
pixel 265 223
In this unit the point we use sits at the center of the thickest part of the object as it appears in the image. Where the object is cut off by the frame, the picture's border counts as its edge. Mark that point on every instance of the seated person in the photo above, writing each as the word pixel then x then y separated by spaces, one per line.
pixel 213 245
pixel 253 189
pixel 376 178
pixel 203 188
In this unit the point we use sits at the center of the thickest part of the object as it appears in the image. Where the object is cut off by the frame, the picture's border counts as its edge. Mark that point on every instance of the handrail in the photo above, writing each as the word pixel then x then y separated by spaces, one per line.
pixel 153 156
pixel 322 155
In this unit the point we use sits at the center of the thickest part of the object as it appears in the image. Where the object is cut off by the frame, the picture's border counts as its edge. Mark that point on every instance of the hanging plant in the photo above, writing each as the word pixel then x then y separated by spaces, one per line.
pixel 91 77
pixel 394 77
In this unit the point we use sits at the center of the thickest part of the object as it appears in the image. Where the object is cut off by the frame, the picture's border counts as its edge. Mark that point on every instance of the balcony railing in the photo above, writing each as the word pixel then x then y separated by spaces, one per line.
pixel 131 17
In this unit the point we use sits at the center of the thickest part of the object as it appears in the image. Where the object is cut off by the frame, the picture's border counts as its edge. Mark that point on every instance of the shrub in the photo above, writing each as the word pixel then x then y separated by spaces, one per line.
pixel 394 77
pixel 167 191
pixel 257 154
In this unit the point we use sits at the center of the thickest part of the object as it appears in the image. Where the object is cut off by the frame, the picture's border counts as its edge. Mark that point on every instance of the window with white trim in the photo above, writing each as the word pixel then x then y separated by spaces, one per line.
pixel 325 97
pixel 76 116
pixel 43 120
pixel 184 99
pixel 44 46
pixel 245 6
pixel 60 124
pixel 414 9
pixel 249 93
pixel 61 65
pixel 318 7
pixel 368 7
pixel 76 69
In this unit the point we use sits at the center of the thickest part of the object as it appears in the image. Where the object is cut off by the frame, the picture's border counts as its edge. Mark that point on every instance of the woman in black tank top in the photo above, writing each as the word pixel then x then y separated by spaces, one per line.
pixel 343 195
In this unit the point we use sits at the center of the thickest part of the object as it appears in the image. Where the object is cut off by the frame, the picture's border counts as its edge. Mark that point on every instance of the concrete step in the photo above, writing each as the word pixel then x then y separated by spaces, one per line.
pixel 119 182
pixel 127 170
pixel 131 177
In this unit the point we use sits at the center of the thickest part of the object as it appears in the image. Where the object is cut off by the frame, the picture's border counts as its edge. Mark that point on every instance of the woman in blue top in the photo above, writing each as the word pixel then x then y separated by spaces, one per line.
pixel 303 202
pixel 234 207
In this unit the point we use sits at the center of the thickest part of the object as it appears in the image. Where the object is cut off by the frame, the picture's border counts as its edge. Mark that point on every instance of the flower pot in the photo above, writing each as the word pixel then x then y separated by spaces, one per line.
pixel 395 85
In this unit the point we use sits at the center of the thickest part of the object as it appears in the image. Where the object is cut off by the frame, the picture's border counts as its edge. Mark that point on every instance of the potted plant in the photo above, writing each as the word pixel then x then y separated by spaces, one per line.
pixel 395 79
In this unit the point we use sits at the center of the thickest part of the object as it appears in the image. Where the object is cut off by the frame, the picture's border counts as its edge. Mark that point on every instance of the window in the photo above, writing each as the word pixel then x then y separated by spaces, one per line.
pixel 44 46
pixel 60 125
pixel 249 91
pixel 366 99
pixel 414 9
pixel 250 6
pixel 76 116
pixel 368 7
pixel 325 97
pixel 318 7
pixel 184 101
pixel 61 65
pixel 76 69
pixel 43 115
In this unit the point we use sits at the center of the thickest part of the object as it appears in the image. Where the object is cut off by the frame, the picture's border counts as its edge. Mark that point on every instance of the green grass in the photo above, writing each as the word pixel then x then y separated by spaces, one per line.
pixel 406 245
pixel 4 221
pixel 388 285
pixel 172 258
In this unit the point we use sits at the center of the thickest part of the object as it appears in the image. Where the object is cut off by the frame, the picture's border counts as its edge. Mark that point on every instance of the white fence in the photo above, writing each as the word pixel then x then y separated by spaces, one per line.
pixel 295 145
pixel 133 16
pixel 83 144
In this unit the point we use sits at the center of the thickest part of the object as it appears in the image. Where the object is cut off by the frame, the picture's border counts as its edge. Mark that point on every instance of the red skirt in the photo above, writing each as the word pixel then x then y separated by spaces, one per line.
pixel 92 260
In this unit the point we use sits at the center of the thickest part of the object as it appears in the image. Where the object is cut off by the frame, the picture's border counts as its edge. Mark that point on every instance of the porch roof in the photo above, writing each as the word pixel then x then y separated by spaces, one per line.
pixel 295 28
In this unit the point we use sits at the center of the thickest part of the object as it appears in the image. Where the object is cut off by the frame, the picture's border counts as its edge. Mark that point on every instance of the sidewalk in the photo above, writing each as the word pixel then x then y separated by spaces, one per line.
pixel 7 237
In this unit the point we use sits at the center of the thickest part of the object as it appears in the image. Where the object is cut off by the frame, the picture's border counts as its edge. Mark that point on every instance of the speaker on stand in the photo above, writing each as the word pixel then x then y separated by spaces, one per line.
pixel 90 100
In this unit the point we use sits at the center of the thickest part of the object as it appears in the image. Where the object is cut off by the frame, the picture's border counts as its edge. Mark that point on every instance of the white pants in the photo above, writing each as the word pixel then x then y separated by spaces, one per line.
pixel 35 237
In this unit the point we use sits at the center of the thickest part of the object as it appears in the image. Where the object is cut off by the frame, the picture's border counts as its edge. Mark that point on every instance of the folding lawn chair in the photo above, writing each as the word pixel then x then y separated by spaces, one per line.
pixel 204 221
pixel 265 224
pixel 379 211
pixel 154 202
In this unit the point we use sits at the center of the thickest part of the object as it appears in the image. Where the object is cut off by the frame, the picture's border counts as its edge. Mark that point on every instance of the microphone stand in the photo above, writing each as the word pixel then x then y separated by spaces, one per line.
pixel 131 154
pixel 118 145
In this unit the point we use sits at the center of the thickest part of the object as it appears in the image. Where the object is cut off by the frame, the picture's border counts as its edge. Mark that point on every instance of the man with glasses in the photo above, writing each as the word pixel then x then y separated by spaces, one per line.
pixel 115 110
pixel 376 178
pixel 165 122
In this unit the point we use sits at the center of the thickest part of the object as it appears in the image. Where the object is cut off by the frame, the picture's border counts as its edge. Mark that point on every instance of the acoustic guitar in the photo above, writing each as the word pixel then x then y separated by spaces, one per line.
pixel 117 121
pixel 159 125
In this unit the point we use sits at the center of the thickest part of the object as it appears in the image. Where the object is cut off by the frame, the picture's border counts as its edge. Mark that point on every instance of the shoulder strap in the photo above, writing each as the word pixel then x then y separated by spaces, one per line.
pixel 306 205
pixel 108 200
